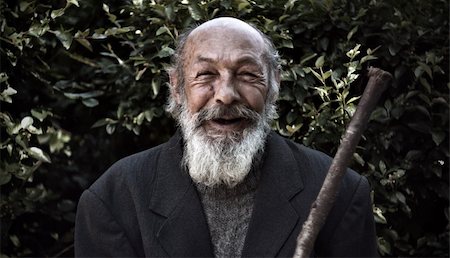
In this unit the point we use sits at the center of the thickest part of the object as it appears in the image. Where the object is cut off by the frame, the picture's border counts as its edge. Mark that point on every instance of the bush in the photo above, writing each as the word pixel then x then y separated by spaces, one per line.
pixel 85 81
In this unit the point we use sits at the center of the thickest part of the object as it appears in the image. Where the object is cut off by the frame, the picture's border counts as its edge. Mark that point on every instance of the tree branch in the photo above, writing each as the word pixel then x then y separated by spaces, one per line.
pixel 378 82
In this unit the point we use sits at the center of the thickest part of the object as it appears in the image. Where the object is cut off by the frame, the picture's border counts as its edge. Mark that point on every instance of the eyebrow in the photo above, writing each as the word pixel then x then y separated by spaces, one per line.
pixel 204 59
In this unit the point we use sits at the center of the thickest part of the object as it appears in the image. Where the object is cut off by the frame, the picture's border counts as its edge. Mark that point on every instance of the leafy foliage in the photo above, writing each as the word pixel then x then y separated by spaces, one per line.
pixel 83 84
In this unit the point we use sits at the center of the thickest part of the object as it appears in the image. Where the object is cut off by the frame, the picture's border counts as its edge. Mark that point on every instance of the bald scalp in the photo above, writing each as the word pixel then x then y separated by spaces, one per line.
pixel 229 25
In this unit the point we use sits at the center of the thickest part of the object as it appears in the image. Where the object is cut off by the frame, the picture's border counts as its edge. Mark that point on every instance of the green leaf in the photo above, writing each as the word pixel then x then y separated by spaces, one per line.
pixel 371 51
pixel 57 13
pixel 168 11
pixel 294 128
pixel 165 52
pixel 438 136
pixel 140 73
pixel 359 159
pixel 155 87
pixel 15 240
pixel 318 76
pixel 110 128
pixel 74 2
pixel 353 31
pixel 367 58
pixel 382 167
pixel 84 95
pixel 307 58
pixel 162 30
pixel 352 53
pixel 38 29
pixel 353 99
pixel 103 122
pixel 327 74
pixel 40 115
pixel 6 93
pixel 38 154
pixel 99 35
pixel 65 38
pixel 243 5
pixel 394 49
pixel 91 102
pixel 383 245
pixel 149 114
pixel 379 217
pixel 287 43
pixel 195 11
pixel 3 77
pixel 82 59
pixel 400 197
pixel 105 8
pixel 319 62
pixel 425 84
pixel 85 43
pixel 26 122
pixel 289 4
pixel 117 31
pixel 426 68
pixel 139 118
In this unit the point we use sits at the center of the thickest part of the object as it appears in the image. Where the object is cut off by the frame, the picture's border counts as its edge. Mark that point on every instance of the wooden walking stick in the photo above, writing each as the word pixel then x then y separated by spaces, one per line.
pixel 378 82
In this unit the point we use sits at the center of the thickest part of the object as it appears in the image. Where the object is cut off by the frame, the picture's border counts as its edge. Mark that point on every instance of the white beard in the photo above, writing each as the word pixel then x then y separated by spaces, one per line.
pixel 213 159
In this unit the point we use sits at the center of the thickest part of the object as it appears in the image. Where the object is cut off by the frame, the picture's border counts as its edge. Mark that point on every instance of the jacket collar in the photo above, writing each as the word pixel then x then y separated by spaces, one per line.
pixel 185 231
pixel 274 218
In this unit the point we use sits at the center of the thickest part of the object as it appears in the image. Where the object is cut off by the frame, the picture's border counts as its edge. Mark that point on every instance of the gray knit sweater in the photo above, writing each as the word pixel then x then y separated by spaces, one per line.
pixel 228 212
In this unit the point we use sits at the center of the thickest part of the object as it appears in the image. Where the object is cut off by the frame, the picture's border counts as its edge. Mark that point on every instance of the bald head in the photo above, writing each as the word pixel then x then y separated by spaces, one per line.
pixel 230 26
pixel 226 21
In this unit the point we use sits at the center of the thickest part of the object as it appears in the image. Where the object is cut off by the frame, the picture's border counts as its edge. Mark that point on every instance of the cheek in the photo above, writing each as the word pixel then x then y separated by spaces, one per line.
pixel 197 98
pixel 255 98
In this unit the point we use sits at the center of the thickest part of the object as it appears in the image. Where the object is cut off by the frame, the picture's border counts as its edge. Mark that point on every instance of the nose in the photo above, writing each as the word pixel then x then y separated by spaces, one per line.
pixel 226 92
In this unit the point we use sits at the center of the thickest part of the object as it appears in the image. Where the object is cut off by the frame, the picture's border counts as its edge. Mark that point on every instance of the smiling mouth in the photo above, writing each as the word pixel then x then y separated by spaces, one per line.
pixel 227 124
pixel 224 121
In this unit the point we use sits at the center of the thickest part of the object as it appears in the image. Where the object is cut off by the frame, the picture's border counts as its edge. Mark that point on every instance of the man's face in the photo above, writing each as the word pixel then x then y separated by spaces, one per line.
pixel 224 110
pixel 224 67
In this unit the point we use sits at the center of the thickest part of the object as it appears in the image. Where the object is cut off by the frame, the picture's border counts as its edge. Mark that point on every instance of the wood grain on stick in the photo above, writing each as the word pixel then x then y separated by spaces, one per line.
pixel 377 83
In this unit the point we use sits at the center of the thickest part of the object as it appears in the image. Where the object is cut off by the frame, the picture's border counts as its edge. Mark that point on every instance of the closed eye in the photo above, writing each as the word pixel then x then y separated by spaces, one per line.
pixel 248 76
pixel 205 74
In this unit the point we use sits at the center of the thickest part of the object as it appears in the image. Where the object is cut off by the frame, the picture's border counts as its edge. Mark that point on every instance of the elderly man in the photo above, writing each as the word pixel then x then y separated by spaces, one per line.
pixel 223 185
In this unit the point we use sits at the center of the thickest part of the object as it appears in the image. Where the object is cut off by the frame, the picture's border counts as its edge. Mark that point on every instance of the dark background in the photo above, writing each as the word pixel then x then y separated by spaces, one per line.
pixel 83 84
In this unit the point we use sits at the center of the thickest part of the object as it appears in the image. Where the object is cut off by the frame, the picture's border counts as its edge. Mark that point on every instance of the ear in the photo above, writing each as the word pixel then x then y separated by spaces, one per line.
pixel 173 81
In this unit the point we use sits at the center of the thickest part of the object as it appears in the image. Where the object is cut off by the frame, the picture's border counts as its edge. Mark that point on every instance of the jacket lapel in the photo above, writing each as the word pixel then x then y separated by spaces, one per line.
pixel 184 231
pixel 274 219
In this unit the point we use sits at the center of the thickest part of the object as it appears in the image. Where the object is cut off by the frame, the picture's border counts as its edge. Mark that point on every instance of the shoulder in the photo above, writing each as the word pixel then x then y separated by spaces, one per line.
pixel 128 170
pixel 108 211
pixel 352 207
pixel 316 162
pixel 132 178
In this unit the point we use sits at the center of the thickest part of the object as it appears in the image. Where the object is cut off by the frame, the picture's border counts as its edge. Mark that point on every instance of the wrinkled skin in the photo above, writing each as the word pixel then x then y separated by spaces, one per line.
pixel 224 65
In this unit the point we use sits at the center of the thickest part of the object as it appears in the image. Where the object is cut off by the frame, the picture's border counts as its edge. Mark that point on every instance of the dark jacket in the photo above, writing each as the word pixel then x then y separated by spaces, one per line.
pixel 145 205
